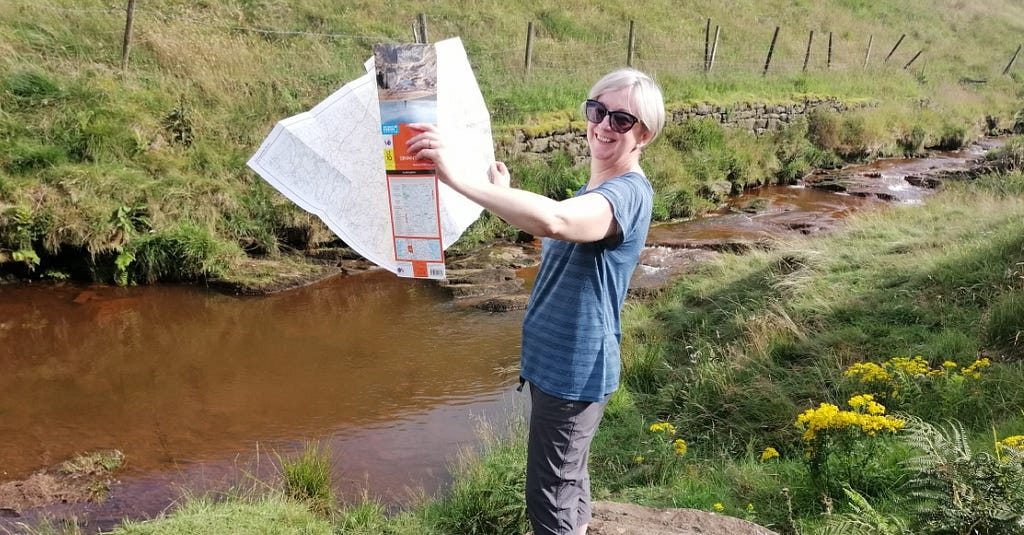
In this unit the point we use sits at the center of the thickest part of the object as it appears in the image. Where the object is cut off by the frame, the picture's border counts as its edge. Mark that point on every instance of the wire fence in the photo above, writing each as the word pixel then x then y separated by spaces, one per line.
pixel 541 54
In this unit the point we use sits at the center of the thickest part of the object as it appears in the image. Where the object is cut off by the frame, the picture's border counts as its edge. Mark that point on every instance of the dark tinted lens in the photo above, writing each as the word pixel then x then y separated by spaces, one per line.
pixel 595 111
pixel 621 121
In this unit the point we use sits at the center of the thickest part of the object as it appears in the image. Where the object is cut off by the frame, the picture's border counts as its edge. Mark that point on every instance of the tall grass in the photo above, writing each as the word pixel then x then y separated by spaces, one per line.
pixel 206 82
pixel 307 479
pixel 488 494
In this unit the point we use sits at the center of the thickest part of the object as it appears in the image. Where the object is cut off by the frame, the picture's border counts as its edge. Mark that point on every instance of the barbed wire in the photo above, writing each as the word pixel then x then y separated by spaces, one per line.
pixel 660 50
pixel 77 9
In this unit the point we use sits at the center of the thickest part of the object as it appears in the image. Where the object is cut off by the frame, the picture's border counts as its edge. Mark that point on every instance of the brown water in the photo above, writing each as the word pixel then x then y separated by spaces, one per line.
pixel 189 383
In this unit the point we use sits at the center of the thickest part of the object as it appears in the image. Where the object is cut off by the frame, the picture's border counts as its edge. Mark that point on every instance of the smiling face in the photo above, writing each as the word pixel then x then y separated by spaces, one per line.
pixel 613 154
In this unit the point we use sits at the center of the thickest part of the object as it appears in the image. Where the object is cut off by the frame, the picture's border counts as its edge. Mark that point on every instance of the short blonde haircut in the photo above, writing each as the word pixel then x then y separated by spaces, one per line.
pixel 644 95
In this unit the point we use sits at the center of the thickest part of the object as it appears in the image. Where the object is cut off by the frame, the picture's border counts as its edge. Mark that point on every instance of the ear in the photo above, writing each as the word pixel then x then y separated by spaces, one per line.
pixel 646 136
pixel 643 139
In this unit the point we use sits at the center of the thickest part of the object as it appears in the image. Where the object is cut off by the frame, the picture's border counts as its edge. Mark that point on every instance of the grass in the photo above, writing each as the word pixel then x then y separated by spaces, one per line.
pixel 307 479
pixel 755 339
pixel 98 158
pixel 267 514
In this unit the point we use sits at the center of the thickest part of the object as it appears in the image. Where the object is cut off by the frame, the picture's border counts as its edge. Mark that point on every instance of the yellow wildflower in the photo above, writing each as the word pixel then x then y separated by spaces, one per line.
pixel 949 364
pixel 828 416
pixel 866 403
pixel 868 372
pixel 1015 442
pixel 719 507
pixel 639 459
pixel 679 447
pixel 663 427
pixel 768 454
pixel 974 370
pixel 914 367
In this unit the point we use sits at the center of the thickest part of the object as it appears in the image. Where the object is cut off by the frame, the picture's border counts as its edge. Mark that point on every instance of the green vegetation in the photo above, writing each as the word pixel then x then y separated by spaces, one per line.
pixel 268 514
pixel 307 479
pixel 758 343
pixel 106 173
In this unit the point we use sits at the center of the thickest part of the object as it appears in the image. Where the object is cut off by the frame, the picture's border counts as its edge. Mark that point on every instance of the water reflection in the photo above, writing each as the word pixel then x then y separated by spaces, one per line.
pixel 385 368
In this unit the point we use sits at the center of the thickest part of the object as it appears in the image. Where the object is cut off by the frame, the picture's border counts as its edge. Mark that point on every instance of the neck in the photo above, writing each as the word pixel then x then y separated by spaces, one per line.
pixel 599 174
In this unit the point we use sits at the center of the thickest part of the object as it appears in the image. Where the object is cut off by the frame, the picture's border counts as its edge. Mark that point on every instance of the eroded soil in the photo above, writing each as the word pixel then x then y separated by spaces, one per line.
pixel 85 478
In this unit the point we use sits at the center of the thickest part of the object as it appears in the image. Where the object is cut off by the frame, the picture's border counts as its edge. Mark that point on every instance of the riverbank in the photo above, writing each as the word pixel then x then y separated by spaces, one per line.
pixel 486 277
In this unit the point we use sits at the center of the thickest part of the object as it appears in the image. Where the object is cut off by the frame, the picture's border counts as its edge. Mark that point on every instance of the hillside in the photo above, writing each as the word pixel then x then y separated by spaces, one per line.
pixel 129 168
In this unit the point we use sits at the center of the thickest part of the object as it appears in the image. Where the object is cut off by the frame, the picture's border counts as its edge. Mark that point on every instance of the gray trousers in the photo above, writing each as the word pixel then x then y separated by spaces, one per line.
pixel 557 479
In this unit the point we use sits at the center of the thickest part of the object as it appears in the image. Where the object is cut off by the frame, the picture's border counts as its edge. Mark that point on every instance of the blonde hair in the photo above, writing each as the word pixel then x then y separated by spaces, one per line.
pixel 644 94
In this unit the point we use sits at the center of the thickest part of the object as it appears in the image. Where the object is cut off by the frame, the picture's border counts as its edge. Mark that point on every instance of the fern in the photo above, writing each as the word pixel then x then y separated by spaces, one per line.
pixel 864 520
pixel 958 492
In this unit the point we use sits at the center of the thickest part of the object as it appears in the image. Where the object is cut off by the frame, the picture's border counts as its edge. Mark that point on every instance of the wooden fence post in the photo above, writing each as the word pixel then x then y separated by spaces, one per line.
pixel 129 23
pixel 528 61
pixel 707 39
pixel 714 49
pixel 913 58
pixel 423 28
pixel 807 55
pixel 1014 58
pixel 828 64
pixel 867 55
pixel 771 50
pixel 894 47
pixel 631 47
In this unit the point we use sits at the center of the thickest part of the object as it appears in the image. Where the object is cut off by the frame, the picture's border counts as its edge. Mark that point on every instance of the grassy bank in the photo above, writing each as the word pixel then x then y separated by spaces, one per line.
pixel 920 308
pixel 108 173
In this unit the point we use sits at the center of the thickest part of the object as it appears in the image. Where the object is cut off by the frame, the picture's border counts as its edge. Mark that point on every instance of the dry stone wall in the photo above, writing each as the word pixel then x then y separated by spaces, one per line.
pixel 756 118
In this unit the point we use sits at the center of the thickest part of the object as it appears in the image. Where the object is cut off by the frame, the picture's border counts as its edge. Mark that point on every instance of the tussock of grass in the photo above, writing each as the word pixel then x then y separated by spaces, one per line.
pixel 307 479
pixel 488 495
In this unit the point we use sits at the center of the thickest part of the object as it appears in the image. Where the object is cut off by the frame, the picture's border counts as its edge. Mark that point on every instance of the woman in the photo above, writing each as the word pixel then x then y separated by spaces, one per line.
pixel 591 245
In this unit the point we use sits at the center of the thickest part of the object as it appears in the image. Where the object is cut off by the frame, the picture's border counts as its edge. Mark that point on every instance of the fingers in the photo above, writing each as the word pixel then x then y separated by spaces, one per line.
pixel 425 144
pixel 428 137
pixel 499 175
pixel 423 127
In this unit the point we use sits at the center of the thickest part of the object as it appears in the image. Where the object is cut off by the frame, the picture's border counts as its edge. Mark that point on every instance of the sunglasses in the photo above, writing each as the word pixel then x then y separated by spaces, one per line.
pixel 619 121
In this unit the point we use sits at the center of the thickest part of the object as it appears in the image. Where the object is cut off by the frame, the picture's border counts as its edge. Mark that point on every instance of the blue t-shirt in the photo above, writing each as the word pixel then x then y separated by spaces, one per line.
pixel 571 332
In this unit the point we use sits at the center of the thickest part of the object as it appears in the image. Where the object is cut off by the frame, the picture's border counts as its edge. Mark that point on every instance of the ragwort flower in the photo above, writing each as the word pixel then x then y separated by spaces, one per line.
pixel 663 427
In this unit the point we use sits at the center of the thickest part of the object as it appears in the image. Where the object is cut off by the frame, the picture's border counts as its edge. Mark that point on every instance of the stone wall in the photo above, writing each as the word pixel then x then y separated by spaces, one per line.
pixel 756 118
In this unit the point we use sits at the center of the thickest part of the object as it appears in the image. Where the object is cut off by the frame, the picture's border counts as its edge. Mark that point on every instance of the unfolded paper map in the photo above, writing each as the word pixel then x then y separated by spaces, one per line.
pixel 329 160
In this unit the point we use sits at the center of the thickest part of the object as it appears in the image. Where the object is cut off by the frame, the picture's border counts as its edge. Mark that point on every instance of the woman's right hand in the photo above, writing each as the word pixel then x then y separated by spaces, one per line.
pixel 499 175
pixel 429 145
